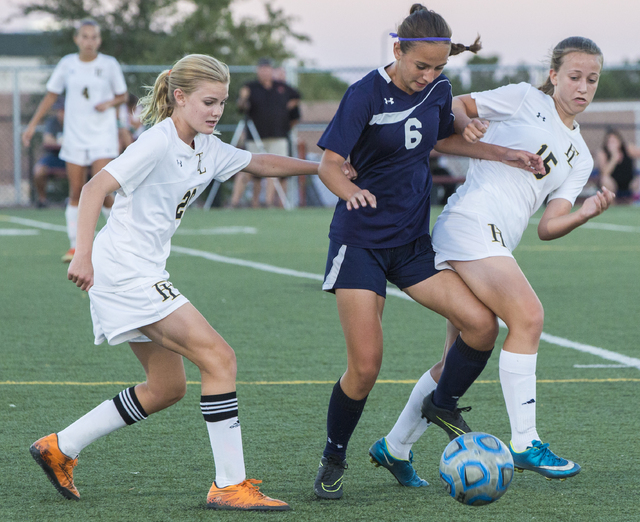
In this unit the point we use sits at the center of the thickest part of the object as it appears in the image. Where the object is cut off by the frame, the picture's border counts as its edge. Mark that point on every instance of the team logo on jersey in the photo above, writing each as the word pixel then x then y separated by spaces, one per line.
pixel 496 235
pixel 388 101
pixel 200 171
pixel 98 72
pixel 571 154
pixel 543 118
pixel 179 162
pixel 166 290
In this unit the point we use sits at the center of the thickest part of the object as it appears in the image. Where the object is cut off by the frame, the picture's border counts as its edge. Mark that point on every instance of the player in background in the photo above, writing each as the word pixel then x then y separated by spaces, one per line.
pixel 132 300
pixel 388 123
pixel 94 86
pixel 483 223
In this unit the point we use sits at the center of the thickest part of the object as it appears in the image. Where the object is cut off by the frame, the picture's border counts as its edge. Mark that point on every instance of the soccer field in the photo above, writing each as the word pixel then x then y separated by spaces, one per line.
pixel 255 275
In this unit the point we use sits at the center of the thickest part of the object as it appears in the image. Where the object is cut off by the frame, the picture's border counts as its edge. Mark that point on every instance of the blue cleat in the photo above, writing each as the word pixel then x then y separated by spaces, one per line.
pixel 539 458
pixel 402 469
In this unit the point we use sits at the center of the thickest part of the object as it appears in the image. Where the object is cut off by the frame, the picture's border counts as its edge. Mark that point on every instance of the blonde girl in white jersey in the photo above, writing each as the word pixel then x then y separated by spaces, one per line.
pixel 94 86
pixel 484 221
pixel 132 299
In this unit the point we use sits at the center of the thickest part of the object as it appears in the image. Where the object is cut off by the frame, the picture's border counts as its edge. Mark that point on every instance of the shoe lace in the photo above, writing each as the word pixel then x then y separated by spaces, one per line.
pixel 546 455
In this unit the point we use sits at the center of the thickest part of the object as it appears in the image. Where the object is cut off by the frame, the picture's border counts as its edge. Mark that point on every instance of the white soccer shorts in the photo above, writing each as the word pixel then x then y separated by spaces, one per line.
pixel 466 237
pixel 117 316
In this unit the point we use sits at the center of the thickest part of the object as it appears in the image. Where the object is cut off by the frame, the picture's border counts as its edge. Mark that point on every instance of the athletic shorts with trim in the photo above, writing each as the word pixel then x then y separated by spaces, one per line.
pixel 371 268
pixel 86 157
pixel 117 316
pixel 467 237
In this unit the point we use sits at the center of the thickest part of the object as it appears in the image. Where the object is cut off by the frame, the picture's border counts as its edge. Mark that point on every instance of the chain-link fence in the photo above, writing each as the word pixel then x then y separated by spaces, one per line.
pixel 22 88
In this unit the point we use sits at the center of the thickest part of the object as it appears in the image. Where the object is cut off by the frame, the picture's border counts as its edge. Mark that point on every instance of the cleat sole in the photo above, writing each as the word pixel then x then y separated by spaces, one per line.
pixel 35 453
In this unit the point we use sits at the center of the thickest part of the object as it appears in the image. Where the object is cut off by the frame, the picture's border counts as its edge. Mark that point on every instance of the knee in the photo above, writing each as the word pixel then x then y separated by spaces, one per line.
pixel 532 320
pixel 219 359
pixel 365 375
pixel 481 328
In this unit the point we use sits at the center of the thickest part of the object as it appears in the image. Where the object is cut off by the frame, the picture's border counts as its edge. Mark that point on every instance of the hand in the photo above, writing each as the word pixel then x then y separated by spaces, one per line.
pixel 361 199
pixel 597 204
pixel 521 159
pixel 81 272
pixel 101 107
pixel 475 130
pixel 27 135
pixel 349 171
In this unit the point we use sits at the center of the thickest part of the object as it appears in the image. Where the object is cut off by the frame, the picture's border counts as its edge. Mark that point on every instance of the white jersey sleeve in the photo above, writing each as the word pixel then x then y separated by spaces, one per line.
pixel 502 103
pixel 227 160
pixel 116 77
pixel 57 81
pixel 138 160
pixel 573 185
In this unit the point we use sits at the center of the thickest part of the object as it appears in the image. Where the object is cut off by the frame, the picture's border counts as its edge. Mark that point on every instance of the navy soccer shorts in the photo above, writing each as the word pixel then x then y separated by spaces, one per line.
pixel 371 268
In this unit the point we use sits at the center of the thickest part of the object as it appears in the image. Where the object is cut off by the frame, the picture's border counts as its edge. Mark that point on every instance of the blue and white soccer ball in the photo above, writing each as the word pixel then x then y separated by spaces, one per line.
pixel 476 468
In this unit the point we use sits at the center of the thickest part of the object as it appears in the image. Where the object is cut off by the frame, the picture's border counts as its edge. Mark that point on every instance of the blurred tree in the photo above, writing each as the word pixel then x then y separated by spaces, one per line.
pixel 162 31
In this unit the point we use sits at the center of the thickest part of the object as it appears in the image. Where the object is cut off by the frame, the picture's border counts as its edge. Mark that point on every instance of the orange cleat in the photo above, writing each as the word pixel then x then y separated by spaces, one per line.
pixel 57 466
pixel 243 497
pixel 69 255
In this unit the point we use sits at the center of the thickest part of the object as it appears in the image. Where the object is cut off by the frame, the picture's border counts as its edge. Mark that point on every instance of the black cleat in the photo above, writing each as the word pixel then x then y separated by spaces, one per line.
pixel 450 421
pixel 328 483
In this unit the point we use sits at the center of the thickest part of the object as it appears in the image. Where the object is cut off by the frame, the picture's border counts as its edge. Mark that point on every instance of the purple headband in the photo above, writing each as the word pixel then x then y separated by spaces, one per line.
pixel 428 39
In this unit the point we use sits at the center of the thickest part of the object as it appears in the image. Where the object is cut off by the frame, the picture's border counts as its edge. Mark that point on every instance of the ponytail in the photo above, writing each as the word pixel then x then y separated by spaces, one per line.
pixel 185 75
pixel 156 105
pixel 424 23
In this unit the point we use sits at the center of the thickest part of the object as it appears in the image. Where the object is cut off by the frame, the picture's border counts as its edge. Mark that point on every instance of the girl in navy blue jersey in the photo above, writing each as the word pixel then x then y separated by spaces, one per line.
pixel 388 123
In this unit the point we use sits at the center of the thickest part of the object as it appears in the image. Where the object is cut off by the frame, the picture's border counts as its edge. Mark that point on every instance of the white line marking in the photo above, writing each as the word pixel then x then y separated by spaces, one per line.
pixel 551 339
pixel 593 350
pixel 600 226
pixel 33 223
pixel 215 231
pixel 241 262
pixel 601 366
pixel 18 232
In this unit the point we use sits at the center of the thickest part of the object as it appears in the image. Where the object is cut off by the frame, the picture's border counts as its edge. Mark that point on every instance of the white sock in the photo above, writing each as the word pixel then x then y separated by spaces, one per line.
pixel 106 212
pixel 410 425
pixel 99 422
pixel 518 380
pixel 71 215
pixel 226 443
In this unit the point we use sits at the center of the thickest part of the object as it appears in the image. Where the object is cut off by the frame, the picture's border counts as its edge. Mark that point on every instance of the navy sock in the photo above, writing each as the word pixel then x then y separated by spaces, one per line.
pixel 342 418
pixel 462 367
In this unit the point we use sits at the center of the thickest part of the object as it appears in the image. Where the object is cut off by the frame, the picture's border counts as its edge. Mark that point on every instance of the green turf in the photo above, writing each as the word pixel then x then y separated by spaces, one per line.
pixel 285 329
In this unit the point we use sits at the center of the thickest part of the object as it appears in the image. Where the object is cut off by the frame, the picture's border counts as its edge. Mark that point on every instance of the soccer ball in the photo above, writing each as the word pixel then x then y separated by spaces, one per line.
pixel 476 468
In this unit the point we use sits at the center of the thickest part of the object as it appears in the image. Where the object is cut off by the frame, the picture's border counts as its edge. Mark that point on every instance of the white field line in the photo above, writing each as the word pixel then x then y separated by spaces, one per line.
pixel 551 339
pixel 600 226
pixel 33 223
pixel 215 231
pixel 601 366
pixel 18 232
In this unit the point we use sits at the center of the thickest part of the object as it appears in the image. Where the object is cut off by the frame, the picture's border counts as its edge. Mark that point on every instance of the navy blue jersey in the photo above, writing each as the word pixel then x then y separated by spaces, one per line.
pixel 388 134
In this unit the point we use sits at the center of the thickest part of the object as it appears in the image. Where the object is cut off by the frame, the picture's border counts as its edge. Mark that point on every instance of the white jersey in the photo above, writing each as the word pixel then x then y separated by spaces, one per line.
pixel 159 177
pixel 87 84
pixel 521 117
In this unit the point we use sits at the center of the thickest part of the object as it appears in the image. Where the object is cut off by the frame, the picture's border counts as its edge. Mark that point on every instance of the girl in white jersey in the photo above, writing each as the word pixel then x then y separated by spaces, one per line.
pixel 483 222
pixel 94 86
pixel 156 179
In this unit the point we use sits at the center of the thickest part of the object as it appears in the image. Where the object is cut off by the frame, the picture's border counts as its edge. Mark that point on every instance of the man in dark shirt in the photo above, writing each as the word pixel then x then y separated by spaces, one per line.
pixel 272 105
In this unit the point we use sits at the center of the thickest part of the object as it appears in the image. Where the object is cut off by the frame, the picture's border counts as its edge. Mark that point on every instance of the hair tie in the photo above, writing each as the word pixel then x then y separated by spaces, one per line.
pixel 170 72
pixel 426 39
pixel 467 48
